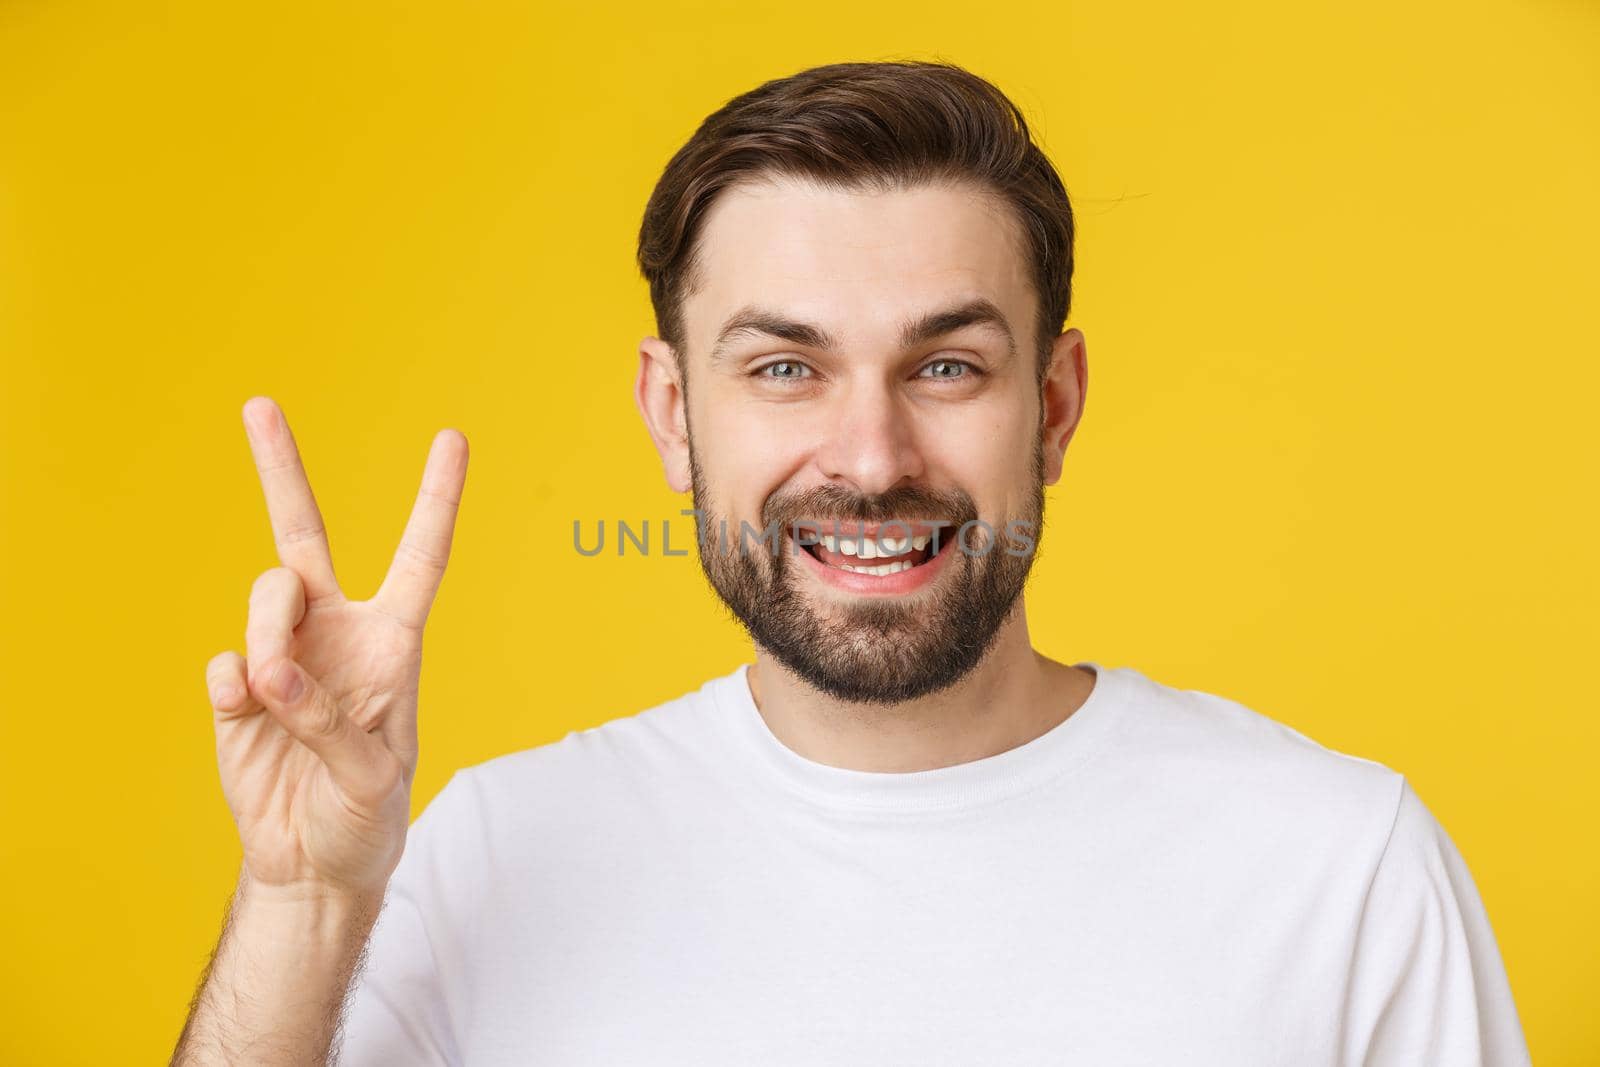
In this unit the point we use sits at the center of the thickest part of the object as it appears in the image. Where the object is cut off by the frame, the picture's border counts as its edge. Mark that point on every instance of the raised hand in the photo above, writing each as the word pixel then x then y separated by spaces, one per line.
pixel 316 725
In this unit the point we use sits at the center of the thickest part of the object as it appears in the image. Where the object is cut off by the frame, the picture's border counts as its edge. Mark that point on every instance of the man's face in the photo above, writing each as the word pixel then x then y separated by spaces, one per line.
pixel 881 389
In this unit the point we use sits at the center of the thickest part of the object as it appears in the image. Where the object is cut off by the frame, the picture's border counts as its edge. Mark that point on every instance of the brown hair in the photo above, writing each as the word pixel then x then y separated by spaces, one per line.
pixel 881 126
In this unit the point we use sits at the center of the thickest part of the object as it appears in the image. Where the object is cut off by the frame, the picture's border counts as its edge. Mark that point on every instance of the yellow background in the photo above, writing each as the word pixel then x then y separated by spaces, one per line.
pixel 1336 272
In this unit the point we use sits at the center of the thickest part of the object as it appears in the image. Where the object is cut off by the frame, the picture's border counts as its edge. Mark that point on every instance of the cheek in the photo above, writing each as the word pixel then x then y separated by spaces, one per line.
pixel 980 451
pixel 744 461
pixel 992 461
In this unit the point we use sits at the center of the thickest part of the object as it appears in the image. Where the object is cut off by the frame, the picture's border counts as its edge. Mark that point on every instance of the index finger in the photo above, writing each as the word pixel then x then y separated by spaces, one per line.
pixel 413 579
pixel 297 527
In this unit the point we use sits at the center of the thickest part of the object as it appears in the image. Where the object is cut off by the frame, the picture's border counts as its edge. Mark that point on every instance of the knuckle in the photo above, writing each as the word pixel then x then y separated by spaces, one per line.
pixel 226 686
pixel 409 617
pixel 223 665
pixel 276 590
pixel 422 558
pixel 326 721
pixel 273 580
pixel 257 675
pixel 448 499
pixel 294 533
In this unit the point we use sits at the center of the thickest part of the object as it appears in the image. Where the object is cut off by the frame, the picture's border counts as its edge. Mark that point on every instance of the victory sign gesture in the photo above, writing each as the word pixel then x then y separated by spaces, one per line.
pixel 316 724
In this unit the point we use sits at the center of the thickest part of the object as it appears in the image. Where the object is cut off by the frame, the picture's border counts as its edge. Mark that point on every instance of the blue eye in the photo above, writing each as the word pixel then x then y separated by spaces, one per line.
pixel 788 371
pixel 963 369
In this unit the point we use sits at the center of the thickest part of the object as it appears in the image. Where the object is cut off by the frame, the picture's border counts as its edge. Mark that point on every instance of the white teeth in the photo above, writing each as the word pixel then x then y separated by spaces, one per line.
pixel 882 570
pixel 873 548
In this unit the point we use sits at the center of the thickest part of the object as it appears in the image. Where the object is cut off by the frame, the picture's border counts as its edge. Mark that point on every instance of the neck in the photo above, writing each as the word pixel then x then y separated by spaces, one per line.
pixel 1013 696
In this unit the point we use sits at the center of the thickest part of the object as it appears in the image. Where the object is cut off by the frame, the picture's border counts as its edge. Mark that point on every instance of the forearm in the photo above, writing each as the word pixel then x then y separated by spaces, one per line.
pixel 276 986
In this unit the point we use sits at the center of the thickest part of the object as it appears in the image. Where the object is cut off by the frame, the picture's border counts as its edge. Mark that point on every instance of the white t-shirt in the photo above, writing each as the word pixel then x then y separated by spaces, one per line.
pixel 1166 877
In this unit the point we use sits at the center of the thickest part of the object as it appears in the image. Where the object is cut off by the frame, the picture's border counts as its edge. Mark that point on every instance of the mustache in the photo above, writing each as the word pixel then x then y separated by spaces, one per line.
pixel 837 503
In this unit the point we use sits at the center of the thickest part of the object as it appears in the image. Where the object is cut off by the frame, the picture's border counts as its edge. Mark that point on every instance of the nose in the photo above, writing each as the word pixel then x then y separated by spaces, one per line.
pixel 870 441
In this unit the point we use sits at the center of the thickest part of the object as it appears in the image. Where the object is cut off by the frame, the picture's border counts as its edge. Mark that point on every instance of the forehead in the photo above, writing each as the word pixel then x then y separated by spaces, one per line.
pixel 858 262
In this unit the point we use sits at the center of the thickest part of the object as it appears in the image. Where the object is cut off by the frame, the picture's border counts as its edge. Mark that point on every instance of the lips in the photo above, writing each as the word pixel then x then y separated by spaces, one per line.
pixel 903 569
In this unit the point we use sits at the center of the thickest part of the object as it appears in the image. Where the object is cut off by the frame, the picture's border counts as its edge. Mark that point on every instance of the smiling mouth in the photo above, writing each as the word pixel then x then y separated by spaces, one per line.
pixel 878 555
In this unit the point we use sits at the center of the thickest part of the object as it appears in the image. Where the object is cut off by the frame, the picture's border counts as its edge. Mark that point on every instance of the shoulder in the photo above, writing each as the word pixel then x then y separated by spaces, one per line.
pixel 1238 762
pixel 1421 868
pixel 1427 982
pixel 657 748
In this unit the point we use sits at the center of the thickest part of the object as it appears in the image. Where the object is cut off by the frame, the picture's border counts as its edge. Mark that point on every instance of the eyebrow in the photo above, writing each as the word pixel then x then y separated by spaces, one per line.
pixel 753 320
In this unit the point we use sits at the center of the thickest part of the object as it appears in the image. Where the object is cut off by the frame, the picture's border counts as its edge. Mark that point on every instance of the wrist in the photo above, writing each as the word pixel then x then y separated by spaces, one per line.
pixel 312 893
pixel 306 910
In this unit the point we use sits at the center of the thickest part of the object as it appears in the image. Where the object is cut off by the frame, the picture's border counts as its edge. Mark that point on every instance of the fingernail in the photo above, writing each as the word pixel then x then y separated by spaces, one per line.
pixel 286 682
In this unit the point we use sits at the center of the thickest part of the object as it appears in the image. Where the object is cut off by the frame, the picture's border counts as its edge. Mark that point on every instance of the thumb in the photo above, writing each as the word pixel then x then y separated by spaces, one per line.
pixel 363 769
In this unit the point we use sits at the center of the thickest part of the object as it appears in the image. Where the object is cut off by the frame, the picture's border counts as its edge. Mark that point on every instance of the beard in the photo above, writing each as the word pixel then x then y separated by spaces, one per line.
pixel 872 650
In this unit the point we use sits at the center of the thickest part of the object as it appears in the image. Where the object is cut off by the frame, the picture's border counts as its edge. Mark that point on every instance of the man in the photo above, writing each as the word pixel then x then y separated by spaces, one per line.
pixel 902 835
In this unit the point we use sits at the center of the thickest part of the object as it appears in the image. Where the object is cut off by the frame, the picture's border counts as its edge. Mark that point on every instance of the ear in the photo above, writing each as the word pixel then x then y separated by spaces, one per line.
pixel 1065 388
pixel 660 396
